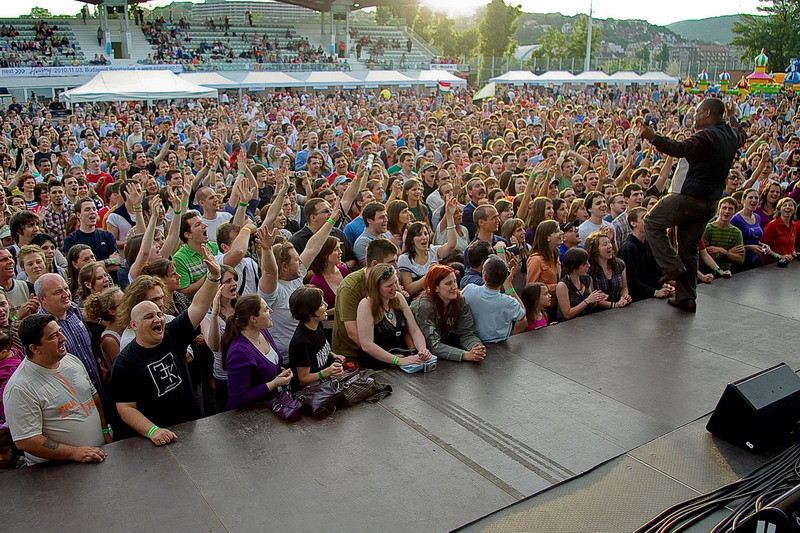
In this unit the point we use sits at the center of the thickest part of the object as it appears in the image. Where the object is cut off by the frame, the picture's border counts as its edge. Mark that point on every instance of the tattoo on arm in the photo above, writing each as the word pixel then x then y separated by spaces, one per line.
pixel 50 444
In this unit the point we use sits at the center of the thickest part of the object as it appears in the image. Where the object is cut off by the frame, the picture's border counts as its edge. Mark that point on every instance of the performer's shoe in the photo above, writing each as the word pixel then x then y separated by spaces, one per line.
pixel 672 274
pixel 689 305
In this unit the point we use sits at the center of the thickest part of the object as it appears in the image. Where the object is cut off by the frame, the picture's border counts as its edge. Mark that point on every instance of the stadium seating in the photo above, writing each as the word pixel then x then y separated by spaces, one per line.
pixel 235 49
pixel 64 55
pixel 386 47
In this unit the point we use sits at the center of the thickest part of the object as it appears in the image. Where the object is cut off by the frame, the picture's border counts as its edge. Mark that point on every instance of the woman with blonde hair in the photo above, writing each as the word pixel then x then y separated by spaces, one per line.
pixel 385 322
pixel 577 211
pixel 100 309
pixel 92 278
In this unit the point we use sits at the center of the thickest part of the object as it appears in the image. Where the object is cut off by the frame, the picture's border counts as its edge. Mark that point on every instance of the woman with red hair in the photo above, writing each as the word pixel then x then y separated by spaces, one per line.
pixel 445 318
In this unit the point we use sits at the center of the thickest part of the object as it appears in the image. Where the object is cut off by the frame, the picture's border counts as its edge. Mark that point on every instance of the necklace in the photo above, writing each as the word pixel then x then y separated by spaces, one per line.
pixel 389 314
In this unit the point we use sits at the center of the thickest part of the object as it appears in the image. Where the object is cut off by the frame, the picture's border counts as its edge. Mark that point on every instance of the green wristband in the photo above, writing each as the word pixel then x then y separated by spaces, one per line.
pixel 716 269
pixel 177 211
pixel 243 204
pixel 184 205
pixel 106 431
pixel 510 291
pixel 500 251
pixel 396 359
pixel 152 430
pixel 241 172
pixel 320 376
pixel 332 222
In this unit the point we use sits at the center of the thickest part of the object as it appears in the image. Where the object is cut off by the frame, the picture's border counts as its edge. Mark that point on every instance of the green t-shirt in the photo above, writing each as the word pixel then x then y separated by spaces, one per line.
pixel 351 291
pixel 189 264
pixel 723 237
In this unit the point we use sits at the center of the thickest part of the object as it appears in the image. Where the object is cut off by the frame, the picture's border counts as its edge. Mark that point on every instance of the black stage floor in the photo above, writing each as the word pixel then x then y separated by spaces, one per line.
pixel 624 387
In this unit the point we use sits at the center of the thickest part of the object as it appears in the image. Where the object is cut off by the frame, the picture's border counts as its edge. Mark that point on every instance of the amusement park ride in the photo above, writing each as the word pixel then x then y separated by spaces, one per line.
pixel 759 82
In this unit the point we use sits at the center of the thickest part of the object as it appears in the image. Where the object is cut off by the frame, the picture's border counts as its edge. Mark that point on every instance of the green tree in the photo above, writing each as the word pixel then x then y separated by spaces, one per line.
pixel 383 15
pixel 552 44
pixel 777 32
pixel 465 43
pixel 497 29
pixel 556 44
pixel 40 13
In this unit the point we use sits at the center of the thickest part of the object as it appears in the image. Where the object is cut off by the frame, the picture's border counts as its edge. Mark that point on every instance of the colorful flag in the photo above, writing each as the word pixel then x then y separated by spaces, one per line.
pixel 444 86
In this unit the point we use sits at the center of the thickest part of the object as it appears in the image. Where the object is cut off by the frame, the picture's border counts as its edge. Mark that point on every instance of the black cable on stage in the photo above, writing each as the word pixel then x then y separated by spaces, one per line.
pixel 760 487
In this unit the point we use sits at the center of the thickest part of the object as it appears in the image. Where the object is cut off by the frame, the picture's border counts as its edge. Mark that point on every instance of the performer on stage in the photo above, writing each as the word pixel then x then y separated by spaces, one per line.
pixel 693 201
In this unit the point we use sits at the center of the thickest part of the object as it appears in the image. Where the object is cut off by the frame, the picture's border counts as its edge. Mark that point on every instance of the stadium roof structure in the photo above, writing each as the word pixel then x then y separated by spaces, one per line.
pixel 316 5
pixel 353 5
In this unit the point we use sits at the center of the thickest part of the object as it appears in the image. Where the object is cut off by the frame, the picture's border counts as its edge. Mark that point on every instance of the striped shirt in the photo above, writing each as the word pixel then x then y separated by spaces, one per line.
pixel 79 343
pixel 724 238
pixel 189 264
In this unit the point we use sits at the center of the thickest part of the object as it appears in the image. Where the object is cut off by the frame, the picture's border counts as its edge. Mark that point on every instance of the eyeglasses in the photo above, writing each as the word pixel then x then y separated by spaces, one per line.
pixel 388 273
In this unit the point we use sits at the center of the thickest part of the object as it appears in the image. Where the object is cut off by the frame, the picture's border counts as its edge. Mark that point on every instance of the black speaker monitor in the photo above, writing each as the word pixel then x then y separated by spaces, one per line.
pixel 759 410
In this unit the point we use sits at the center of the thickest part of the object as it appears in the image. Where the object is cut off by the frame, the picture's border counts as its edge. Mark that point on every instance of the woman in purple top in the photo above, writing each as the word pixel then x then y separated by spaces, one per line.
pixel 767 201
pixel 249 354
pixel 328 271
pixel 750 225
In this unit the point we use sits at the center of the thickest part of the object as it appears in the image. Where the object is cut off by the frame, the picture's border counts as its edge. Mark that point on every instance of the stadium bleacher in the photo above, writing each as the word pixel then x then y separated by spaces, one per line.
pixel 387 47
pixel 196 46
pixel 19 45
pixel 272 47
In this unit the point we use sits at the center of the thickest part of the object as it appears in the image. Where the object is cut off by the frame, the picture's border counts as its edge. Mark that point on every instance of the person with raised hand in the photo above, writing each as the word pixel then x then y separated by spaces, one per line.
pixel 283 272
pixel 150 376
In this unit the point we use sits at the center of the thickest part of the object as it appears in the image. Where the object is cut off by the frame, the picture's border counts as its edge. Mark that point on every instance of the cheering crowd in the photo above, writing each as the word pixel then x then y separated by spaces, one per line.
pixel 166 263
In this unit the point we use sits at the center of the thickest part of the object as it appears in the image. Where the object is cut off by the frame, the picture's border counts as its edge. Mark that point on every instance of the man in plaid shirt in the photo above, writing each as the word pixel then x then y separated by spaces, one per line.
pixel 56 214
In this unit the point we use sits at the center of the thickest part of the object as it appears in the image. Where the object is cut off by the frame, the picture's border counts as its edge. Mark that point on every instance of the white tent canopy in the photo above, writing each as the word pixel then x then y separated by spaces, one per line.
pixel 121 85
pixel 516 77
pixel 430 78
pixel 555 76
pixel 593 76
pixel 329 78
pixel 626 77
pixel 255 80
pixel 658 77
pixel 376 78
pixel 209 79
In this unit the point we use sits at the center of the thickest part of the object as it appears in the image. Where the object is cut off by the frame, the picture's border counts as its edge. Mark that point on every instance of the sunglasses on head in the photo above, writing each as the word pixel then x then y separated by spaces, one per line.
pixel 388 273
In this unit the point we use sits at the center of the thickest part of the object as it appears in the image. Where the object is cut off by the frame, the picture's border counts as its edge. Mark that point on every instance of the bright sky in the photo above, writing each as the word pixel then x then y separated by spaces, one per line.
pixel 654 12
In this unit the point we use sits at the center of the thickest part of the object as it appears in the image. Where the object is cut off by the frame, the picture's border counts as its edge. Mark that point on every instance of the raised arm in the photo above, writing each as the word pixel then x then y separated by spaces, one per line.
pixel 269 267
pixel 210 327
pixel 664 175
pixel 318 239
pixel 276 206
pixel 203 297
pixel 156 209
pixel 452 236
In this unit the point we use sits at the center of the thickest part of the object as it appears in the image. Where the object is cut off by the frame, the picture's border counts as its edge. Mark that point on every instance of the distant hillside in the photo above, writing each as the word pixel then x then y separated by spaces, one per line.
pixel 621 32
pixel 711 30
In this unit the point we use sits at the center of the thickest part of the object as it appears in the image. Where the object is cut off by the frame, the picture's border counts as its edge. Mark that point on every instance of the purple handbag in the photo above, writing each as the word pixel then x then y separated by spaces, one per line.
pixel 285 405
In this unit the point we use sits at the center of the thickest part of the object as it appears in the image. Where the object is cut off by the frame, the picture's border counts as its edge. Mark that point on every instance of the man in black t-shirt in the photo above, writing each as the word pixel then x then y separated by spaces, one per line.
pixel 150 377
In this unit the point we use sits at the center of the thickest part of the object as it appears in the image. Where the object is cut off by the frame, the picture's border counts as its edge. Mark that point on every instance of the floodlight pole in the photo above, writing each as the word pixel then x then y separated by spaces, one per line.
pixel 588 59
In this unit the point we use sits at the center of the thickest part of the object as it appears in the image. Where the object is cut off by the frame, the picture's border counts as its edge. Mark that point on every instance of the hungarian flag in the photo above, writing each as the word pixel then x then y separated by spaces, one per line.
pixel 444 86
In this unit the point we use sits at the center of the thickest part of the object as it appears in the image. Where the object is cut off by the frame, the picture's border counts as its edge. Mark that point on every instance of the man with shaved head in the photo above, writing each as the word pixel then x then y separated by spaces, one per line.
pixel 150 377
pixel 692 202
